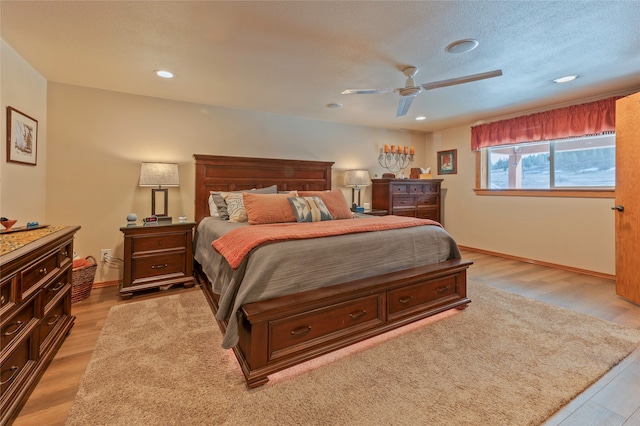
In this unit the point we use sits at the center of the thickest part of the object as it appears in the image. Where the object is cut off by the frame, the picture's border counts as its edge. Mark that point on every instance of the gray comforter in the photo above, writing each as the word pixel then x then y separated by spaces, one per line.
pixel 288 267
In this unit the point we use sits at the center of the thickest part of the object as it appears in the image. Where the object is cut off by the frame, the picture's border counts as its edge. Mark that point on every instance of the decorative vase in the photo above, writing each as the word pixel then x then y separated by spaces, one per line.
pixel 8 224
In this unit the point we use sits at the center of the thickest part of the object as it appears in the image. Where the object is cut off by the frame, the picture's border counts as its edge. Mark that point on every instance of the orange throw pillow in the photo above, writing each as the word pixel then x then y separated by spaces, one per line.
pixel 334 200
pixel 268 208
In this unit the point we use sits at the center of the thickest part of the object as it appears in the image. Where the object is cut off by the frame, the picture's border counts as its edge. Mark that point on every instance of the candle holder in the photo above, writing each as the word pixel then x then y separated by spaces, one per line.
pixel 394 159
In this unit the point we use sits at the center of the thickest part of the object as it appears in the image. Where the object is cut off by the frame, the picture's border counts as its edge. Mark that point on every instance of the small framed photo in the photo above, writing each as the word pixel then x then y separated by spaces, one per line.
pixel 22 137
pixel 448 162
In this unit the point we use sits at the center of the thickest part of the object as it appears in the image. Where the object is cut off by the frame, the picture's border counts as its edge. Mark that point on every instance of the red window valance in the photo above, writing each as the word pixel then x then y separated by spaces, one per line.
pixel 574 121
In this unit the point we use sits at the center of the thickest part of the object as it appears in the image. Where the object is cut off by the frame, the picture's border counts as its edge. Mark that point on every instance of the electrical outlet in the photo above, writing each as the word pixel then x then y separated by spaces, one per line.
pixel 103 254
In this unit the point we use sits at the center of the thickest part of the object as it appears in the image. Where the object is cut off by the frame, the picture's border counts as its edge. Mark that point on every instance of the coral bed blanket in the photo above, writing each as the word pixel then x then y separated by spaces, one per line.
pixel 236 244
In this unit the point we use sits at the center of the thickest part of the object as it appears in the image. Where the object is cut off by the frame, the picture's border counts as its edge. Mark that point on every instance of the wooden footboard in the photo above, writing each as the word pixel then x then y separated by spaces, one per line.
pixel 279 333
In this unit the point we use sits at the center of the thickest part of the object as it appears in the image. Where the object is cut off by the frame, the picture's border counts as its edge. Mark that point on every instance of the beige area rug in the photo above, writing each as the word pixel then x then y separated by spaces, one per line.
pixel 506 360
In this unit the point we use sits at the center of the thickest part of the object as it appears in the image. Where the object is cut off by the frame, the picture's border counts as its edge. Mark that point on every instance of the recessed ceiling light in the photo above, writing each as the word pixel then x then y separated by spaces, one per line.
pixel 421 117
pixel 164 74
pixel 334 105
pixel 462 46
pixel 565 79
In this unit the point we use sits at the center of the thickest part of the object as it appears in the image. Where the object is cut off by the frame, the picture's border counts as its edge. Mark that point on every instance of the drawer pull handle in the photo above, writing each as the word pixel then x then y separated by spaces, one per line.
pixel 53 320
pixel 64 253
pixel 443 289
pixel 2 300
pixel 19 325
pixel 405 300
pixel 357 315
pixel 300 331
pixel 58 287
pixel 159 266
pixel 159 243
pixel 15 370
pixel 43 271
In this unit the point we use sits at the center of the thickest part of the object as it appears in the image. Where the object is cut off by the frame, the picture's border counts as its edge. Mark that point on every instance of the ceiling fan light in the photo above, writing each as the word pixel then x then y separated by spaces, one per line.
pixel 462 46
pixel 420 118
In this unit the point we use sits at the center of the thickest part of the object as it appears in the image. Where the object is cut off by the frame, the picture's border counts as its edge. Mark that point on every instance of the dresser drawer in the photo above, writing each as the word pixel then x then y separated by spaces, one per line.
pixel 7 296
pixel 301 331
pixel 404 201
pixel 16 366
pixel 18 323
pixel 431 189
pixel 56 315
pixel 65 254
pixel 400 189
pixel 428 214
pixel 159 242
pixel 54 288
pixel 38 272
pixel 427 201
pixel 415 189
pixel 155 266
pixel 421 296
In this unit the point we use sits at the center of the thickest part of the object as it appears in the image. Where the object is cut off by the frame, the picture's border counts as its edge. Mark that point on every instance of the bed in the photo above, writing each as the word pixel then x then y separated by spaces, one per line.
pixel 287 302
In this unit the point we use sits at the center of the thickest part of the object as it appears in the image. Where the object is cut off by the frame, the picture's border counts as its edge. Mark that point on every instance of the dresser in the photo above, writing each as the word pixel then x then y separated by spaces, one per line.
pixel 35 313
pixel 408 197
pixel 158 255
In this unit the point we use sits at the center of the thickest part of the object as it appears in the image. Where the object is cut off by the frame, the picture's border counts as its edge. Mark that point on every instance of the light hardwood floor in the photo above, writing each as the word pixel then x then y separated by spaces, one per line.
pixel 613 400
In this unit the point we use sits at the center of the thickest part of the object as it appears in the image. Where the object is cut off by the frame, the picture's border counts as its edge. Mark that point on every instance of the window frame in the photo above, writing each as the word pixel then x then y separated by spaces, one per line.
pixel 482 177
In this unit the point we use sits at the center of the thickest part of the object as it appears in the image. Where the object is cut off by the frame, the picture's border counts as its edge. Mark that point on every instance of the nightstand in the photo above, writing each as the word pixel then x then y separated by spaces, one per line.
pixel 376 212
pixel 157 256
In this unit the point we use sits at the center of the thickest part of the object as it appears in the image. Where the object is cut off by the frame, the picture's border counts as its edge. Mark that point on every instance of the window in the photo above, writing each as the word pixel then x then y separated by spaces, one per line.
pixel 585 162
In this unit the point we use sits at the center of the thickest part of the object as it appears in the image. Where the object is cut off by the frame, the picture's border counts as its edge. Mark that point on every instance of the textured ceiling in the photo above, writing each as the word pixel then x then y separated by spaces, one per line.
pixel 294 58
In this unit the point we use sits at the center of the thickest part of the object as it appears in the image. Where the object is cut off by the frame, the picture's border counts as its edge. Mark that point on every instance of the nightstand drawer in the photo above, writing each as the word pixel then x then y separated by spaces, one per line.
pixel 159 242
pixel 154 266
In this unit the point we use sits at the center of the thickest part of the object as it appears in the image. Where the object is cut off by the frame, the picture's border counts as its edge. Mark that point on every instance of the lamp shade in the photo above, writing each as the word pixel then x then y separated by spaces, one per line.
pixel 159 174
pixel 356 178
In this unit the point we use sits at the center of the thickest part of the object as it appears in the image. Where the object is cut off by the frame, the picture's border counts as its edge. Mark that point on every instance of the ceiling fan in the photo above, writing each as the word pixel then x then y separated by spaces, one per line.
pixel 410 90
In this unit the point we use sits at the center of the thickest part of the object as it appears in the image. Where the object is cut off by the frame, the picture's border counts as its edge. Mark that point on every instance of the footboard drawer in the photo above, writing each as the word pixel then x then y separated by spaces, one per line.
pixel 408 300
pixel 299 332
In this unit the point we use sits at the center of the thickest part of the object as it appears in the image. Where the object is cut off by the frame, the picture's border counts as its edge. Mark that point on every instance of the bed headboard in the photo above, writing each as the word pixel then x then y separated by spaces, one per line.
pixel 220 173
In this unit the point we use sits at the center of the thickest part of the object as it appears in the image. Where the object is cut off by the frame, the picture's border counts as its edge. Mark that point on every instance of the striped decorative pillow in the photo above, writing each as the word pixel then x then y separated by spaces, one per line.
pixel 309 209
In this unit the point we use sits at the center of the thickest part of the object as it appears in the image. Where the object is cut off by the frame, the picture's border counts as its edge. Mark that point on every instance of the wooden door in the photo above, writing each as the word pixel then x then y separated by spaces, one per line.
pixel 627 207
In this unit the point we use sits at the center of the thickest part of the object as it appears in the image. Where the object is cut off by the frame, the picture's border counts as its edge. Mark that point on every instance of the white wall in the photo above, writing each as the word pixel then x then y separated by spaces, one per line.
pixel 98 138
pixel 22 187
pixel 91 143
pixel 576 232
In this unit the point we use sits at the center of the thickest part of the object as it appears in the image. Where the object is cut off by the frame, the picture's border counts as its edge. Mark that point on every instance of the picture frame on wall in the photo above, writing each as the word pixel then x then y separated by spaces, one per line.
pixel 448 162
pixel 22 138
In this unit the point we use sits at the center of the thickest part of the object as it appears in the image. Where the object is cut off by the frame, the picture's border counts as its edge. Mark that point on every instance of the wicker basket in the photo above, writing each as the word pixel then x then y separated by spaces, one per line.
pixel 83 280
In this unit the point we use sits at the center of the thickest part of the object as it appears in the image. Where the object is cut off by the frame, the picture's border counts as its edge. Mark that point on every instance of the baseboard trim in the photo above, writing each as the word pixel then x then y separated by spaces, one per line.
pixel 105 284
pixel 539 262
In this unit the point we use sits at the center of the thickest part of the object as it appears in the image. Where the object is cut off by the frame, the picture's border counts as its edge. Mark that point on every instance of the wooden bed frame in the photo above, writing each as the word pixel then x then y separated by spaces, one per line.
pixel 278 333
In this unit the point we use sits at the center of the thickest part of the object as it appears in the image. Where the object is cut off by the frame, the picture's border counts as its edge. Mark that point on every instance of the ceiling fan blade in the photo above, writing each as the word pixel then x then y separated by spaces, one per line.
pixel 461 80
pixel 404 104
pixel 367 91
